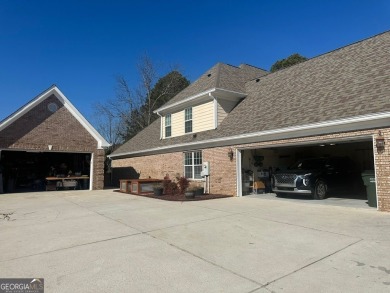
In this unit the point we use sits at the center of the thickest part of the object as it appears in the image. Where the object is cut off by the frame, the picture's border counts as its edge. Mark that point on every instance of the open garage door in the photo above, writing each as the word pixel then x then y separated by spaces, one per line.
pixel 24 171
pixel 258 165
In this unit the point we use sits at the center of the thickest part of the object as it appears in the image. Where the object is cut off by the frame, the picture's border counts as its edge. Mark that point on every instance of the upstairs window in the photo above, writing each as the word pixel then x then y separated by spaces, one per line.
pixel 193 165
pixel 188 120
pixel 168 127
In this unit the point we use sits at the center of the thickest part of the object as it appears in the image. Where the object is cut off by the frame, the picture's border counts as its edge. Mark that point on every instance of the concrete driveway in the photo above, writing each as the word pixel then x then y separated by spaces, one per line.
pixel 103 241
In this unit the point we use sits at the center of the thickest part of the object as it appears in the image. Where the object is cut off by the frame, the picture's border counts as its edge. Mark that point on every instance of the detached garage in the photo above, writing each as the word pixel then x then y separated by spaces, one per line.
pixel 47 145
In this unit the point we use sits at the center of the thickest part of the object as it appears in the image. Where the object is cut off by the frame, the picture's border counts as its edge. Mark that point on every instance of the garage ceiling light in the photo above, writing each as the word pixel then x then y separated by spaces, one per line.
pixel 322 145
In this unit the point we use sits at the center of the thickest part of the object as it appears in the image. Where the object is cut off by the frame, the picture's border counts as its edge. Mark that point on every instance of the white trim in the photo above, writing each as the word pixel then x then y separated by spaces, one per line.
pixel 91 172
pixel 349 139
pixel 185 120
pixel 193 164
pixel 68 105
pixel 215 105
pixel 164 129
pixel 44 151
pixel 228 94
pixel 375 170
pixel 369 121
pixel 161 125
pixel 186 100
pixel 239 172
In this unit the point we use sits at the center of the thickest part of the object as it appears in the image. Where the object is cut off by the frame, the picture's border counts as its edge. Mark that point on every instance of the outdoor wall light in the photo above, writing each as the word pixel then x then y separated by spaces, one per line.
pixel 380 143
pixel 230 154
pixel 50 147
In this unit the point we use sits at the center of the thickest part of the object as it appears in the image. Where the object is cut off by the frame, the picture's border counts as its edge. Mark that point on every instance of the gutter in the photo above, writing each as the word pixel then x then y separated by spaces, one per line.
pixel 215 104
pixel 356 123
pixel 161 125
pixel 202 94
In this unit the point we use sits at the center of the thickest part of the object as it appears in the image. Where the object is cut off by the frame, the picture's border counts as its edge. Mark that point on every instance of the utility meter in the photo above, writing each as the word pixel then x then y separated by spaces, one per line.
pixel 205 169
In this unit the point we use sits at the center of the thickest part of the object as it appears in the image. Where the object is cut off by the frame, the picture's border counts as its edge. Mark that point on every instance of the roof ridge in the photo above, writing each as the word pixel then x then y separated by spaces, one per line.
pixel 250 65
pixel 330 52
pixel 218 74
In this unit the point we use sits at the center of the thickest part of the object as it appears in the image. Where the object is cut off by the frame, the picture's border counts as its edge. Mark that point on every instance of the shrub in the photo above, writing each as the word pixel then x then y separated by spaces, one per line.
pixel 172 188
pixel 183 184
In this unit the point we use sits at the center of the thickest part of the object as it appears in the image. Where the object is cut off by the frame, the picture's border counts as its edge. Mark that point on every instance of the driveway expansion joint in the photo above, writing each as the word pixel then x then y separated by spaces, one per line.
pixel 209 262
pixel 71 247
pixel 312 263
pixel 104 216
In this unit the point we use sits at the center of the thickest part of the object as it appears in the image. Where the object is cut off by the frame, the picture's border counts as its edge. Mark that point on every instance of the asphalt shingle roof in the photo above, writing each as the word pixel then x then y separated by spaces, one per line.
pixel 347 82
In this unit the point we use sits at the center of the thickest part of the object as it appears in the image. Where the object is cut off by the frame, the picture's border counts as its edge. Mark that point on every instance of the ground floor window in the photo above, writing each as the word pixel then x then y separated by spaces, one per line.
pixel 193 165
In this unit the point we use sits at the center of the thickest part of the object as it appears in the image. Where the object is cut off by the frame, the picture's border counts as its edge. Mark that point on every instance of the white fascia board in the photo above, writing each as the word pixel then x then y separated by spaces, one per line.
pixel 102 143
pixel 26 108
pixel 55 91
pixel 356 123
pixel 223 93
pixel 184 101
pixel 229 95
pixel 215 105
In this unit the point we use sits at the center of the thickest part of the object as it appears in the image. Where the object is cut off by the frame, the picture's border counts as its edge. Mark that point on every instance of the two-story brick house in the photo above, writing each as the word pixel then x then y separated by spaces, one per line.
pixel 334 104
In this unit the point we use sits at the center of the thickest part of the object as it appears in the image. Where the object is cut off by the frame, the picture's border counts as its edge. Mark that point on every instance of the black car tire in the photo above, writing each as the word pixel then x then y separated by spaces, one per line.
pixel 320 189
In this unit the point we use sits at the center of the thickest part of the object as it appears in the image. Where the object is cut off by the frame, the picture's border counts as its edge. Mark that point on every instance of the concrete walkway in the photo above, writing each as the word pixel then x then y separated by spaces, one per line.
pixel 103 241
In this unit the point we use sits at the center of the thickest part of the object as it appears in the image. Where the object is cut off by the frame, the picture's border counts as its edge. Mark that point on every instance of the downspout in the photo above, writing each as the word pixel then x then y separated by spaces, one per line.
pixel 215 110
pixel 239 172
pixel 161 125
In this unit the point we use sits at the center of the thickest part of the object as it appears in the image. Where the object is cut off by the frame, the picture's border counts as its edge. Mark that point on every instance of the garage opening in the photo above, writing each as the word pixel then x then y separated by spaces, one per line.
pixel 24 171
pixel 258 166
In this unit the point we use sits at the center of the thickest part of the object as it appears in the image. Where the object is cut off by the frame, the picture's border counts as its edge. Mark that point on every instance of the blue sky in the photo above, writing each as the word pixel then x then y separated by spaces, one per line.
pixel 82 45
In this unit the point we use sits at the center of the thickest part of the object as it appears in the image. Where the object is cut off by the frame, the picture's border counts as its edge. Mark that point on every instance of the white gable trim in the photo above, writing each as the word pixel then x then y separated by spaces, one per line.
pixel 54 90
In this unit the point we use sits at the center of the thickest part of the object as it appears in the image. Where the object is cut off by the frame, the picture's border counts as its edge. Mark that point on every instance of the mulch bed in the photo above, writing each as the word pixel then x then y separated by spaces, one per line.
pixel 181 197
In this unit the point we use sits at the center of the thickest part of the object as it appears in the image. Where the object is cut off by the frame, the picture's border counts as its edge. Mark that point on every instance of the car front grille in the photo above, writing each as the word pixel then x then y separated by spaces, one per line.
pixel 285 178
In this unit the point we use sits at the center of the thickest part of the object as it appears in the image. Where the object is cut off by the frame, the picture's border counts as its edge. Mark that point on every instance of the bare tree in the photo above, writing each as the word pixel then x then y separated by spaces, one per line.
pixel 132 109
pixel 107 123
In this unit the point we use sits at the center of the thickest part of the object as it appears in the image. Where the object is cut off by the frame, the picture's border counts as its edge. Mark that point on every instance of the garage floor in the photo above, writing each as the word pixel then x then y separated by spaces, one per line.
pixel 104 241
pixel 331 201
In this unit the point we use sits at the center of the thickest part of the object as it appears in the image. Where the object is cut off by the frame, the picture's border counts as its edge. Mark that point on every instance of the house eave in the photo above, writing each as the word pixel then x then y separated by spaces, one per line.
pixel 201 98
pixel 363 122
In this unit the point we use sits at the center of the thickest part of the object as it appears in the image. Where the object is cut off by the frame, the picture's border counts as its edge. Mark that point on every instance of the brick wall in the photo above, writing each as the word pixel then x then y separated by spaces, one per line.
pixel 382 172
pixel 154 166
pixel 223 171
pixel 39 128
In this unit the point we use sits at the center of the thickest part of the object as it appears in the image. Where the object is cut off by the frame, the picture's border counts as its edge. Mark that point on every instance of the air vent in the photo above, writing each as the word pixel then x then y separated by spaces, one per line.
pixel 52 107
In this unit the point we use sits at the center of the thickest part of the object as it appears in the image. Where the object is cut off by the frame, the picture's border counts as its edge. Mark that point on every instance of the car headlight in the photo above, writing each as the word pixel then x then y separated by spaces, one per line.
pixel 306 179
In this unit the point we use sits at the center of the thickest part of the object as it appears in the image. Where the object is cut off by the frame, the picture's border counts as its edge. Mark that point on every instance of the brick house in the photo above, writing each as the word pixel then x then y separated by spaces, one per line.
pixel 49 135
pixel 334 104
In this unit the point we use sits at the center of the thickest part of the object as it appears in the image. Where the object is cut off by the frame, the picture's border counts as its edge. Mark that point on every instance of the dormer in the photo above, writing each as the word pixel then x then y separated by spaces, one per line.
pixel 205 103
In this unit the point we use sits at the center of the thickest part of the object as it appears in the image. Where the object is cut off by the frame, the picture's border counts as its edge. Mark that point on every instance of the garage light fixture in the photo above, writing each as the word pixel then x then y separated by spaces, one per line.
pixel 380 142
pixel 50 147
pixel 230 154
pixel 322 145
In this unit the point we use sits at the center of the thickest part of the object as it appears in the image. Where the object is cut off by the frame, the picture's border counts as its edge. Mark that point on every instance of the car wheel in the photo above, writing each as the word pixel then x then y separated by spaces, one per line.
pixel 320 189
